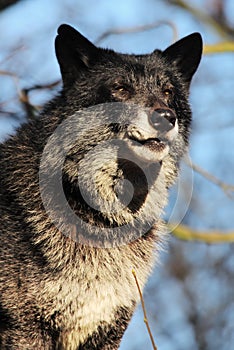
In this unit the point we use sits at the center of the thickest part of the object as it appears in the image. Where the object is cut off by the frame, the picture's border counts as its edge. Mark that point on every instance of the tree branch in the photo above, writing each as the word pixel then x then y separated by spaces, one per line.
pixel 137 29
pixel 144 310
pixel 225 46
pixel 224 30
pixel 185 233
pixel 6 3
pixel 228 189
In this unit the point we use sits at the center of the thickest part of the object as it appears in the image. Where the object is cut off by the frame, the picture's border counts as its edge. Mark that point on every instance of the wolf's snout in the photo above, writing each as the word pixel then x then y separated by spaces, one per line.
pixel 160 125
pixel 163 119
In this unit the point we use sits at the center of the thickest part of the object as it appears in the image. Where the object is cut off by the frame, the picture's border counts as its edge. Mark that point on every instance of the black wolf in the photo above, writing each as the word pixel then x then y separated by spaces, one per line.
pixel 82 189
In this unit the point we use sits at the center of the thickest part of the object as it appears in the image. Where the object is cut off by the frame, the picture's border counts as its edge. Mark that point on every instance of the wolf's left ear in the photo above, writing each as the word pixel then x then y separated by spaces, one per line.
pixel 186 54
pixel 74 52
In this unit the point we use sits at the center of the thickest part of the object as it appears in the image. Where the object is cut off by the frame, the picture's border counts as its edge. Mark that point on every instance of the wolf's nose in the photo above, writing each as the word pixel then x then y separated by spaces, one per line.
pixel 163 119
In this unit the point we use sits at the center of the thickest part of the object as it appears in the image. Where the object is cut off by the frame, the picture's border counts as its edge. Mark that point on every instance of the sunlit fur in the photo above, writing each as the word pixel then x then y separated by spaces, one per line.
pixel 56 293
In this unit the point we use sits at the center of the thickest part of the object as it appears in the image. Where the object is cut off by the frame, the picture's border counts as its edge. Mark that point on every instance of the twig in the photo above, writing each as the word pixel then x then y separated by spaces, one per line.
pixel 213 237
pixel 42 86
pixel 137 29
pixel 144 310
pixel 5 3
pixel 13 76
pixel 226 46
pixel 9 114
pixel 30 109
pixel 14 51
pixel 224 31
pixel 228 189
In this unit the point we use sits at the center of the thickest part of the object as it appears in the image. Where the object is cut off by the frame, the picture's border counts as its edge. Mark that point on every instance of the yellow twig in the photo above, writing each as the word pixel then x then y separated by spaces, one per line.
pixel 144 310
pixel 226 46
pixel 214 237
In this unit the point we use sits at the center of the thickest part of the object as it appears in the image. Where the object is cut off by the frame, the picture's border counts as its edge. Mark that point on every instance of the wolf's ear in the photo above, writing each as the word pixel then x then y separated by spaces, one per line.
pixel 74 53
pixel 186 54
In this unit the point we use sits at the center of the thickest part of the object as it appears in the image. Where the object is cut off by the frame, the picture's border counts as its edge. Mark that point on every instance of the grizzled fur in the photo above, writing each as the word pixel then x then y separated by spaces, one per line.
pixel 57 292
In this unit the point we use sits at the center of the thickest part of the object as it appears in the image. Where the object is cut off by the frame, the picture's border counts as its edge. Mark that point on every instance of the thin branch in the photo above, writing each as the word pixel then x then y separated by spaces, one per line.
pixel 224 30
pixel 42 86
pixel 226 46
pixel 228 189
pixel 23 94
pixel 137 29
pixel 9 114
pixel 144 310
pixel 10 74
pixel 30 109
pixel 14 51
pixel 6 3
pixel 16 81
pixel 213 237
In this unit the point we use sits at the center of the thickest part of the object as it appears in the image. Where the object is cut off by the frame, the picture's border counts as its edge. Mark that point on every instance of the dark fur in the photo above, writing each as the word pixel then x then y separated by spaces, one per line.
pixel 56 293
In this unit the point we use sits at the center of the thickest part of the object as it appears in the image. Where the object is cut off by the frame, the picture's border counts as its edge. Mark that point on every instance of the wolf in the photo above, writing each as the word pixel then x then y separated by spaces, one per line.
pixel 82 190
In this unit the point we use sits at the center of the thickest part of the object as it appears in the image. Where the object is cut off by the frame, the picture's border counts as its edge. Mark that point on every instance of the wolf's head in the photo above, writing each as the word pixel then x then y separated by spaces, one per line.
pixel 126 127
pixel 158 82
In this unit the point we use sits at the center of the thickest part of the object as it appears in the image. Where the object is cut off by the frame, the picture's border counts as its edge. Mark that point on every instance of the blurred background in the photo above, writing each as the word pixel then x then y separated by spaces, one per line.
pixel 190 296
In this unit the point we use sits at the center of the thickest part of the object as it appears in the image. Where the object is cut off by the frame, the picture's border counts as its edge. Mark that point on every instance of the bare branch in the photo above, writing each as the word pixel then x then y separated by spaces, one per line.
pixel 223 29
pixel 228 189
pixel 137 29
pixel 144 310
pixel 6 3
pixel 226 46
pixel 42 86
pixel 32 110
pixel 10 74
pixel 214 237
pixel 12 115
pixel 23 94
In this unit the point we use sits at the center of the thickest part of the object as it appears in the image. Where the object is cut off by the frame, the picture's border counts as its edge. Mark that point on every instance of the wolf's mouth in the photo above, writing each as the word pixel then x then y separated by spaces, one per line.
pixel 153 144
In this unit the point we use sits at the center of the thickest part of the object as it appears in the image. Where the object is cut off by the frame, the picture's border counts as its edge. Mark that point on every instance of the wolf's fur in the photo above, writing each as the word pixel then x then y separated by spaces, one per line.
pixel 60 291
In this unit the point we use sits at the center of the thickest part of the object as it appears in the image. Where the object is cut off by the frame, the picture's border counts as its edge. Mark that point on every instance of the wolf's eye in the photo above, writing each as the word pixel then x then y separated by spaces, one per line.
pixel 121 91
pixel 168 91
pixel 119 88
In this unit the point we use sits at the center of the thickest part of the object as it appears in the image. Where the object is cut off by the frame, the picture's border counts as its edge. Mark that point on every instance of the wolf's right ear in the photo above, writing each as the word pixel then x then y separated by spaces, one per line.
pixel 74 53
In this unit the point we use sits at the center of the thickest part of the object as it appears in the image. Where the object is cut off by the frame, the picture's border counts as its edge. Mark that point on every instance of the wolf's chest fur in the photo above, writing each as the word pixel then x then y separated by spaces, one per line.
pixel 111 285
pixel 82 191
